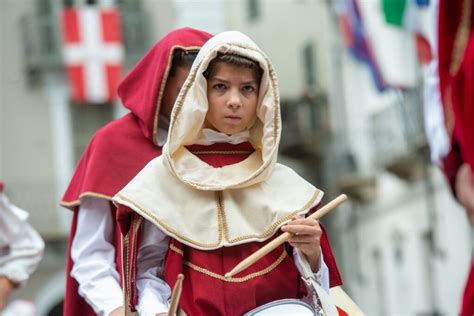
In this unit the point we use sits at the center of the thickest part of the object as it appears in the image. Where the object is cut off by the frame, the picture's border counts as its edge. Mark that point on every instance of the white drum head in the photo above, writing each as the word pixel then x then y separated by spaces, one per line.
pixel 292 307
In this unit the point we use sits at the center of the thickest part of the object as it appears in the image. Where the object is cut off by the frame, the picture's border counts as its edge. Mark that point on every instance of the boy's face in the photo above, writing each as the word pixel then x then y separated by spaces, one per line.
pixel 172 88
pixel 232 92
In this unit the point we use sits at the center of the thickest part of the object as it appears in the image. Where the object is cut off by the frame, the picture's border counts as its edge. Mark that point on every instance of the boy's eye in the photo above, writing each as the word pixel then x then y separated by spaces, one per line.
pixel 219 86
pixel 248 88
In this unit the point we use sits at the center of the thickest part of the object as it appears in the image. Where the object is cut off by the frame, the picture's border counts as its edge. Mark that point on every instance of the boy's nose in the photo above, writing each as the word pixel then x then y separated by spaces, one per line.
pixel 234 100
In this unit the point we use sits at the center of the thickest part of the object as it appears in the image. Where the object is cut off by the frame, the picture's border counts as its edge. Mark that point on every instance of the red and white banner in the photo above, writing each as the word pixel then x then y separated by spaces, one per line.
pixel 93 53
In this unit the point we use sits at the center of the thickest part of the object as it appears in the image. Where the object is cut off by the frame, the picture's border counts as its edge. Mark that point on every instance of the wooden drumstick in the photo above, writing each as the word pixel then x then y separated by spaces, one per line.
pixel 283 237
pixel 176 295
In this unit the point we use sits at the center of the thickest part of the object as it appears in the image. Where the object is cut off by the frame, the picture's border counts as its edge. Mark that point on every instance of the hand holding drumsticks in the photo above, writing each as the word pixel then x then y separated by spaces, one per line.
pixel 284 237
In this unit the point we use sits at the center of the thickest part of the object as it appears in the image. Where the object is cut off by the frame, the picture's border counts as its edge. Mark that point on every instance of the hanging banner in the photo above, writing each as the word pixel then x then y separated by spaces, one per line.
pixel 93 53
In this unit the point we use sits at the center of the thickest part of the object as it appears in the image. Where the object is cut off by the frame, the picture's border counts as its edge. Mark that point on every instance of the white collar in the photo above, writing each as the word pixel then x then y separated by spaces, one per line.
pixel 209 136
pixel 163 125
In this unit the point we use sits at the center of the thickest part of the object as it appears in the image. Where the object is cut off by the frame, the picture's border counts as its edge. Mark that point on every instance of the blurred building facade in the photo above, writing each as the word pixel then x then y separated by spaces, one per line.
pixel 42 132
pixel 28 166
pixel 402 242
pixel 405 243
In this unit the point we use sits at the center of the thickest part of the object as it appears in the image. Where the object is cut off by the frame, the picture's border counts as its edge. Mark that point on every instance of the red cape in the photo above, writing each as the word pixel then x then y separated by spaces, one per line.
pixel 456 71
pixel 118 151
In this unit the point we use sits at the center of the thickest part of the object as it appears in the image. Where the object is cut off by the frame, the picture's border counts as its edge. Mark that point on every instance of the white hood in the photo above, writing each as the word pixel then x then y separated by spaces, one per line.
pixel 190 111
pixel 206 207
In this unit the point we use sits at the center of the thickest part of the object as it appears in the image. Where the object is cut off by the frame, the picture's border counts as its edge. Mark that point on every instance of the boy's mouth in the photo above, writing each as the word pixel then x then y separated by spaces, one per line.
pixel 233 117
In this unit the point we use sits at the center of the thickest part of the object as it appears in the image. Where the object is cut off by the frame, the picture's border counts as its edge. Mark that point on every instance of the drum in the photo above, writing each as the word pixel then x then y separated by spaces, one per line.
pixel 292 307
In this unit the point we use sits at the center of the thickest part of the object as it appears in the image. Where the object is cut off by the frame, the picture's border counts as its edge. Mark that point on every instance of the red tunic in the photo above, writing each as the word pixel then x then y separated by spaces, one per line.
pixel 118 151
pixel 205 293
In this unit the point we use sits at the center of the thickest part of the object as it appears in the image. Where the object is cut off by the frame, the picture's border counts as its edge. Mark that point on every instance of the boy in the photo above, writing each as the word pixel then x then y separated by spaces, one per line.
pixel 221 195
pixel 113 157
pixel 21 248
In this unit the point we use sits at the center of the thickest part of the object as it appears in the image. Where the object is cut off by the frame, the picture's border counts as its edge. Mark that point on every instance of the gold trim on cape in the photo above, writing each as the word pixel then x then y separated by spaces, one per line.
pixel 84 194
pixel 223 234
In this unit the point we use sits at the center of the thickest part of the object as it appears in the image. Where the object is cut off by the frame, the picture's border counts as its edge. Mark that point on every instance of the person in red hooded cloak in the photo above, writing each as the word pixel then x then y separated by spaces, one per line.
pixel 113 157
pixel 456 74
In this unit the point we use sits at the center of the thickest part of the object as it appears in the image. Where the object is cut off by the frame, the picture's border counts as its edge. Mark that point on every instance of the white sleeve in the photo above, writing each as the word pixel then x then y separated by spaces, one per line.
pixel 93 254
pixel 153 291
pixel 435 130
pixel 322 275
pixel 21 247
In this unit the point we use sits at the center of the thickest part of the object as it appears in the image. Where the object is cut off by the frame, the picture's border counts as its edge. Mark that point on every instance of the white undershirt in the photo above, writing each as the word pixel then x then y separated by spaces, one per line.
pixel 435 129
pixel 163 125
pixel 93 254
pixel 21 247
pixel 210 136
pixel 153 291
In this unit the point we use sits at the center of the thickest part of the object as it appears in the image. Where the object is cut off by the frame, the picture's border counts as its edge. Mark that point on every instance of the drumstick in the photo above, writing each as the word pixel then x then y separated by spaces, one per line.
pixel 257 255
pixel 175 296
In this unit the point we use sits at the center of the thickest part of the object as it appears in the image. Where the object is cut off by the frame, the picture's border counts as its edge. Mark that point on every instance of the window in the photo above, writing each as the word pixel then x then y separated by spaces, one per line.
pixel 129 5
pixel 308 65
pixel 86 120
pixel 254 9
pixel 44 7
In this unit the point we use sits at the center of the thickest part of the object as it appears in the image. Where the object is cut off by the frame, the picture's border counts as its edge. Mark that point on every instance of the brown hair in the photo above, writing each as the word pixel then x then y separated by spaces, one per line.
pixel 182 58
pixel 236 60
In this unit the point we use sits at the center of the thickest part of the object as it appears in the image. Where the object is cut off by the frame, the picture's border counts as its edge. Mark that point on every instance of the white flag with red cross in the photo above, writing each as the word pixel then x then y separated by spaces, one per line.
pixel 93 52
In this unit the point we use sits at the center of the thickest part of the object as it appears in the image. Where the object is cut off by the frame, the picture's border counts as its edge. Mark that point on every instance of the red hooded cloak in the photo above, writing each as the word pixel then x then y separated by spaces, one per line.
pixel 123 147
pixel 456 72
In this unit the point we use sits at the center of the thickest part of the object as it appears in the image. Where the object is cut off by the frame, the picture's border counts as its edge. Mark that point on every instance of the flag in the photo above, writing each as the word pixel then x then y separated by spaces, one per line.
pixel 422 3
pixel 93 52
pixel 356 40
pixel 407 14
pixel 344 304
pixel 393 11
